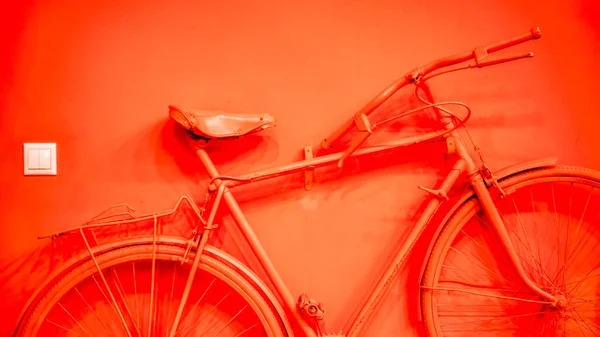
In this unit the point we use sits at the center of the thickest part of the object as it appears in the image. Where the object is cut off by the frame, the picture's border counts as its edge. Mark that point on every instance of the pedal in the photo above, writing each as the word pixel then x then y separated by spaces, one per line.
pixel 310 307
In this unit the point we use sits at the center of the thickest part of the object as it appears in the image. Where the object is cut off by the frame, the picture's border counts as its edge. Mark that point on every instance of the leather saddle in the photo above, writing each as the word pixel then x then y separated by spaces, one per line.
pixel 217 124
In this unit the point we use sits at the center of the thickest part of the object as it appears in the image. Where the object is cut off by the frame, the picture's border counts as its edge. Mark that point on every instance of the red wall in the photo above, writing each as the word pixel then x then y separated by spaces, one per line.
pixel 96 77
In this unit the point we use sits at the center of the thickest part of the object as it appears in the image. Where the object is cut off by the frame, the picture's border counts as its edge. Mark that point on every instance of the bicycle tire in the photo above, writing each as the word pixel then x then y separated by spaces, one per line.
pixel 456 229
pixel 140 251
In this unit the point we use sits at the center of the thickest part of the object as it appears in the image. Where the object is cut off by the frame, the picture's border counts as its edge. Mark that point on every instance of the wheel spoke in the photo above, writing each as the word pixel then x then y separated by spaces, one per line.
pixel 468 286
pixel 539 268
pixel 586 277
pixel 104 295
pixel 170 301
pixel 486 320
pixel 62 327
pixel 112 297
pixel 542 274
pixel 575 251
pixel 231 320
pixel 248 329
pixel 478 263
pixel 92 311
pixel 527 244
pixel 465 271
pixel 586 325
pixel 152 280
pixel 73 318
pixel 135 294
pixel 121 293
pixel 210 312
pixel 488 295
pixel 558 245
pixel 535 226
pixel 190 315
pixel 222 302
pixel 565 259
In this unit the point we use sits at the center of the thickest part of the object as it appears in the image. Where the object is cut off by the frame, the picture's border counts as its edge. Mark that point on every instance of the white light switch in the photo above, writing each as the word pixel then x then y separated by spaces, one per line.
pixel 45 159
pixel 39 158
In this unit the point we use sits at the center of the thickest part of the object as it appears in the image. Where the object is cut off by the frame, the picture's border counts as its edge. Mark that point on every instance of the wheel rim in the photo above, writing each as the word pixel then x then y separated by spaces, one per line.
pixel 468 292
pixel 84 307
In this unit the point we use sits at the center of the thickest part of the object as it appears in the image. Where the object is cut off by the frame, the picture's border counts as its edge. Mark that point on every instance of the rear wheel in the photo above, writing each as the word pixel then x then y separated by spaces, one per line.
pixel 552 215
pixel 124 295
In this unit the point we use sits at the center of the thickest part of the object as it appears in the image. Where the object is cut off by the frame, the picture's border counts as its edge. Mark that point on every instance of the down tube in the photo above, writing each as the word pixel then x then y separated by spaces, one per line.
pixel 388 276
pixel 266 263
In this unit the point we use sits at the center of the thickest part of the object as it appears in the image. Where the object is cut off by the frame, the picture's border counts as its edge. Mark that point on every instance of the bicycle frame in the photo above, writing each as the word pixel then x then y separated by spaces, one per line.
pixel 461 166
pixel 464 166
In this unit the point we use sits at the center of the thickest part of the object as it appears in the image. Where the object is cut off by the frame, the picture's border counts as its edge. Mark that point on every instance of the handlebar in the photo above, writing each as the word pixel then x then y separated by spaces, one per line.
pixel 478 54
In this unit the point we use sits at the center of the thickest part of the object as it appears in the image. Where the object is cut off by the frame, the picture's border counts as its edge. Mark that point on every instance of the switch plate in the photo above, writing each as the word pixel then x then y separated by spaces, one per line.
pixel 39 158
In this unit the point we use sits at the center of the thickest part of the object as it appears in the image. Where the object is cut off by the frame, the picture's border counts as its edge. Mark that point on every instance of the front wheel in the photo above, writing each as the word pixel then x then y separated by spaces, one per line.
pixel 469 287
pixel 135 290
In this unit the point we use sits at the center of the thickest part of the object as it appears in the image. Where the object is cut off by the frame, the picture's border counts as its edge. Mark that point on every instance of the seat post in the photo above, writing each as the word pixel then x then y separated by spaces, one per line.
pixel 207 162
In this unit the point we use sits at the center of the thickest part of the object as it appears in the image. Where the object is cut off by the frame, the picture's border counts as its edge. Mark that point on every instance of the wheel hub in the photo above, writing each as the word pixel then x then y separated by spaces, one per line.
pixel 561 303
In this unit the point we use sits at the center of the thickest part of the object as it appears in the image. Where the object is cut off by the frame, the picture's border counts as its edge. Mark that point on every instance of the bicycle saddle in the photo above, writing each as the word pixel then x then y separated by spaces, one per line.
pixel 217 124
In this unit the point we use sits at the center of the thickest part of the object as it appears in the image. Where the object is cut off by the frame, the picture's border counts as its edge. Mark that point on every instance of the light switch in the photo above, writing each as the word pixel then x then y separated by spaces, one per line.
pixel 39 158
pixel 33 158
pixel 45 159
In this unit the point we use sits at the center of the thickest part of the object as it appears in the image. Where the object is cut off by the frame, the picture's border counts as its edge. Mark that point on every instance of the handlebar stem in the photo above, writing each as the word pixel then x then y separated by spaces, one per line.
pixel 478 54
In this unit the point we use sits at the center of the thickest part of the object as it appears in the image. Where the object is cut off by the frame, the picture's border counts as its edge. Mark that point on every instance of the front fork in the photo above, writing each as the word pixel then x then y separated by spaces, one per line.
pixel 488 206
pixel 485 199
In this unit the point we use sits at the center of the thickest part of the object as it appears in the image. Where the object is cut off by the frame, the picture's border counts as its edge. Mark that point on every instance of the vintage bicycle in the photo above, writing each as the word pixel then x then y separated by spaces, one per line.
pixel 512 254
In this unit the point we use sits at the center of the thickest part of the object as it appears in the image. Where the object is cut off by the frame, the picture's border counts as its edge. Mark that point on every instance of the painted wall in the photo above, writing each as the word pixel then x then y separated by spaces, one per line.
pixel 96 78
